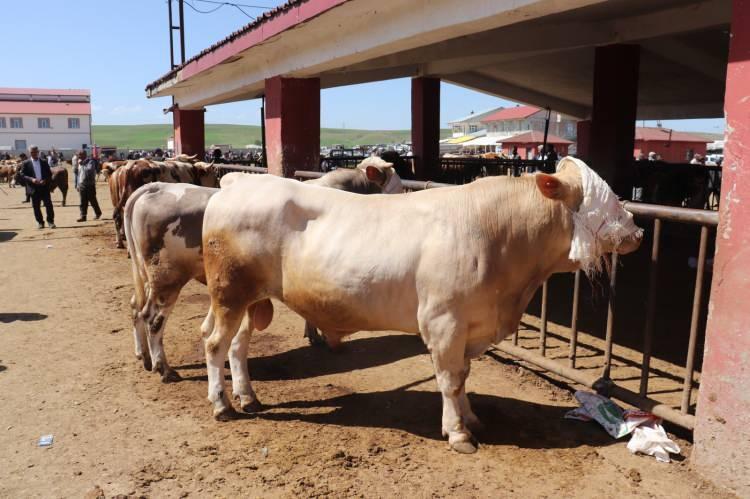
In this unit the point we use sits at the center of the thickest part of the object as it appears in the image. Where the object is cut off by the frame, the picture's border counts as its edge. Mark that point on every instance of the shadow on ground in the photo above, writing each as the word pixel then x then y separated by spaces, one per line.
pixel 310 362
pixel 7 235
pixel 21 316
pixel 508 421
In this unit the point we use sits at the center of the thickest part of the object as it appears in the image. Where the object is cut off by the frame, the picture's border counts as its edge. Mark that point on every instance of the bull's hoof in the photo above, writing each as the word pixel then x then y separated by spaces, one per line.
pixel 314 337
pixel 224 414
pixel 147 363
pixel 120 245
pixel 250 406
pixel 170 376
pixel 464 447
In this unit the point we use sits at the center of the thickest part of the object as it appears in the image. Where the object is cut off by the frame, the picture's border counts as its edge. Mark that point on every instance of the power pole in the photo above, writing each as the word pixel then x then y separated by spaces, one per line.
pixel 178 27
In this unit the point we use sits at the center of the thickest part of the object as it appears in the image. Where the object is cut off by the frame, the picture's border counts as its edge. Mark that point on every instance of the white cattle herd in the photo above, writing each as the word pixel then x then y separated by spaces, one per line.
pixel 456 265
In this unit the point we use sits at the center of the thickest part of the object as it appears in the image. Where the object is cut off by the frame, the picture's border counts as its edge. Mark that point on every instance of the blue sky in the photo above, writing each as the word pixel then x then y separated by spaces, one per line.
pixel 115 47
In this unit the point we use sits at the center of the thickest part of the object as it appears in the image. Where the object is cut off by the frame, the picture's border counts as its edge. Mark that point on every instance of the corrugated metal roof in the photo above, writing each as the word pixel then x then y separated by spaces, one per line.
pixel 27 107
pixel 259 21
pixel 511 113
pixel 656 134
pixel 44 91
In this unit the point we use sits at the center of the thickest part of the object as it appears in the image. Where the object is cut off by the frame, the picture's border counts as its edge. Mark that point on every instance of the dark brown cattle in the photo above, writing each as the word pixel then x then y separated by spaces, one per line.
pixel 59 180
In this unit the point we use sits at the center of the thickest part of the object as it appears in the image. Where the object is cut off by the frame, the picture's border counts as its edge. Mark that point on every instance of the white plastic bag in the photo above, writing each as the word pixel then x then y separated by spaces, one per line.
pixel 651 439
pixel 648 437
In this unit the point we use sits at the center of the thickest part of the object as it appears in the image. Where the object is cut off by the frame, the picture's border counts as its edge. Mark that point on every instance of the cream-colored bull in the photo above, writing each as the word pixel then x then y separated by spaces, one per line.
pixel 456 265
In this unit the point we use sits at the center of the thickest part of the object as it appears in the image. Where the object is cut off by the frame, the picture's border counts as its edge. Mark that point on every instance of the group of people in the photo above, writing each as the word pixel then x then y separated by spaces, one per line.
pixel 35 174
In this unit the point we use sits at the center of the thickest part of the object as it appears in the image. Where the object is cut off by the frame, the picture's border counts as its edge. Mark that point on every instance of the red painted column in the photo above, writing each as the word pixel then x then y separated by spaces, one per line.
pixel 425 127
pixel 613 114
pixel 189 132
pixel 292 125
pixel 722 433
pixel 583 140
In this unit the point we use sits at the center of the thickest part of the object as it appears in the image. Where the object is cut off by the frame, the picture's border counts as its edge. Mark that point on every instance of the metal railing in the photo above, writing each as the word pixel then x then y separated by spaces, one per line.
pixel 603 382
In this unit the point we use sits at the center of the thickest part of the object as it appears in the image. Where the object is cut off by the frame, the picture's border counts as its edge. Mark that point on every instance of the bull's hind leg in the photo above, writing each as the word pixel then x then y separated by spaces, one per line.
pixel 312 335
pixel 226 322
pixel 242 388
pixel 259 315
pixel 446 341
pixel 208 324
pixel 142 351
pixel 155 313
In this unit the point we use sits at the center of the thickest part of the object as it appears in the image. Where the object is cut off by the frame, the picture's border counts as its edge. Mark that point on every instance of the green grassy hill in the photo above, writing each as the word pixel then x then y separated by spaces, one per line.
pixel 153 136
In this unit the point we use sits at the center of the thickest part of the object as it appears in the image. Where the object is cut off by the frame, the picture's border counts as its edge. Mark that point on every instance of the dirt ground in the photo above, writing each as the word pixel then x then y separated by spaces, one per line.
pixel 363 422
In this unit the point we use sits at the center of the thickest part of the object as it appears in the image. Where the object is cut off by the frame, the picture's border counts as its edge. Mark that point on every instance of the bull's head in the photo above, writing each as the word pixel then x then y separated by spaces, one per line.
pixel 382 173
pixel 205 174
pixel 601 224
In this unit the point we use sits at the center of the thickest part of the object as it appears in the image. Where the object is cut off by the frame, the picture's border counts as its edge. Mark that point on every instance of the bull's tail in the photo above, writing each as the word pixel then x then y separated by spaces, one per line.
pixel 137 262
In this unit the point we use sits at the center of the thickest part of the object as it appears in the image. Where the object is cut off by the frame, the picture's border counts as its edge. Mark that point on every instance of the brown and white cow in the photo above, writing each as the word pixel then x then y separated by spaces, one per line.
pixel 457 265
pixel 163 228
pixel 129 177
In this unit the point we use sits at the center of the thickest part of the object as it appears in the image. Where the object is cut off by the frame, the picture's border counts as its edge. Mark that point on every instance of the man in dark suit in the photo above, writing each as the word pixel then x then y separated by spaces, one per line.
pixel 35 174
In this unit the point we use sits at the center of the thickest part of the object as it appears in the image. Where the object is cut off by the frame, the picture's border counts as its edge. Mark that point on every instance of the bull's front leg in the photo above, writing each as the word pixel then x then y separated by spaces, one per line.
pixel 446 341
pixel 470 419
pixel 242 388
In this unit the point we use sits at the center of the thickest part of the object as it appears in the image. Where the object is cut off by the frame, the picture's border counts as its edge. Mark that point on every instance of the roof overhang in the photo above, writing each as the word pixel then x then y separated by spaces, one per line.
pixel 539 52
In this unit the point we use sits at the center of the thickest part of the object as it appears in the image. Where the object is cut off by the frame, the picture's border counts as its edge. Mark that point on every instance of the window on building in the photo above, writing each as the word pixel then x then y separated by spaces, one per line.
pixel 74 122
pixel 16 122
pixel 2 122
pixel 570 129
pixel 472 128
pixel 43 123
pixel 456 128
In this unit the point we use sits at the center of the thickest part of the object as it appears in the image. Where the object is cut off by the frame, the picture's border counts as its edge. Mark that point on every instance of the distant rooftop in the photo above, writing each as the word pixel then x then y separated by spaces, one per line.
pixel 511 113
pixel 656 134
pixel 45 101
pixel 43 91
pixel 475 116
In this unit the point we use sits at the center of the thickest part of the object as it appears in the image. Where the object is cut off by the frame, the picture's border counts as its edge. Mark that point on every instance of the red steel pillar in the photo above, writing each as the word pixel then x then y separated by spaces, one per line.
pixel 425 127
pixel 722 432
pixel 189 132
pixel 292 125
pixel 613 114
pixel 583 140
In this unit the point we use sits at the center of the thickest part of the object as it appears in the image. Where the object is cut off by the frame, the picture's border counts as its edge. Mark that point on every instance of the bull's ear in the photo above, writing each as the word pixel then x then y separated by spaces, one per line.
pixel 549 185
pixel 375 174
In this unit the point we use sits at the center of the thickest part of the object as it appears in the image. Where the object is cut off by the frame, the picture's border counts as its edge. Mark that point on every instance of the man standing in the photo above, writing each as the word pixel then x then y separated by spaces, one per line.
pixel 35 174
pixel 87 170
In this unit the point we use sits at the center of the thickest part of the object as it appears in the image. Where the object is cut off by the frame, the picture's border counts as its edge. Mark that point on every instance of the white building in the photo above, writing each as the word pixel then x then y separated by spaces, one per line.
pixel 515 120
pixel 471 123
pixel 48 118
